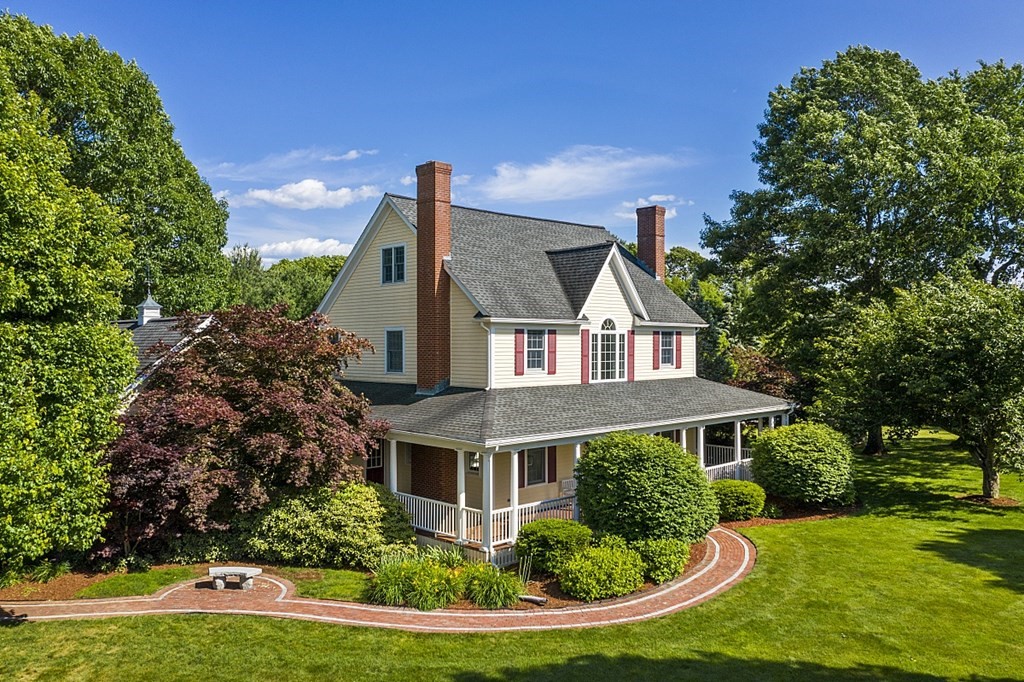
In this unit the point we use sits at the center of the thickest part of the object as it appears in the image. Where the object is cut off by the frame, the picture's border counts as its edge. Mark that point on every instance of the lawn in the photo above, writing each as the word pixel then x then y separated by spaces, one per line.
pixel 131 584
pixel 918 586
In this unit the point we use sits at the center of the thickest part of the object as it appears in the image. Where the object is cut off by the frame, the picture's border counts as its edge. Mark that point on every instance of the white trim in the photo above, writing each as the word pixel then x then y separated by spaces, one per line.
pixel 671 364
pixel 674 325
pixel 543 369
pixel 522 321
pixel 405 263
pixel 621 335
pixel 622 277
pixel 386 349
pixel 358 252
pixel 490 355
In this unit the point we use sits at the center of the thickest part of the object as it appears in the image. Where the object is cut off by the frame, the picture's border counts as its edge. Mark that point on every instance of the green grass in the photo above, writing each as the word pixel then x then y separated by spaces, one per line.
pixel 134 584
pixel 327 583
pixel 918 586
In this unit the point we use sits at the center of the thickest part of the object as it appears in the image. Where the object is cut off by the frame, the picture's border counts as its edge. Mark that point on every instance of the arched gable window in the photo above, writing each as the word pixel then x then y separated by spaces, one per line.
pixel 608 353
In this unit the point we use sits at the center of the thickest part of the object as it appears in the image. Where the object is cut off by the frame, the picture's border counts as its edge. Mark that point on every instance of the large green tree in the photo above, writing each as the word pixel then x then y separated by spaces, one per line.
pixel 121 144
pixel 949 353
pixel 62 364
pixel 300 283
pixel 874 179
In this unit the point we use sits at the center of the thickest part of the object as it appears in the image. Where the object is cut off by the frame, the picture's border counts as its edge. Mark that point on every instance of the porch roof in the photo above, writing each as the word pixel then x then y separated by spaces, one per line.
pixel 505 416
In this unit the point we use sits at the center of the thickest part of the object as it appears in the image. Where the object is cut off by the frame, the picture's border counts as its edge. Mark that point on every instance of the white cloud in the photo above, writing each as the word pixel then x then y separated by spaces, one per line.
pixel 461 180
pixel 670 201
pixel 350 155
pixel 280 165
pixel 306 194
pixel 307 246
pixel 580 171
pixel 408 180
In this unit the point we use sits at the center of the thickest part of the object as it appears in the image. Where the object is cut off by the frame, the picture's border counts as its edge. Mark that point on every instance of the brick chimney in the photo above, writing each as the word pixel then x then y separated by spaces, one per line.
pixel 433 286
pixel 650 238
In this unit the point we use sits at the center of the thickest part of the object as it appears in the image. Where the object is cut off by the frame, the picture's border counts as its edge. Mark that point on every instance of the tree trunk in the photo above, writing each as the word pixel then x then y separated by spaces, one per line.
pixel 990 486
pixel 875 445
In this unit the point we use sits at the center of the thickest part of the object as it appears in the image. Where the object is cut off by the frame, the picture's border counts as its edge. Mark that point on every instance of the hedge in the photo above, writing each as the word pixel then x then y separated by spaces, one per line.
pixel 551 541
pixel 806 462
pixel 644 487
pixel 738 500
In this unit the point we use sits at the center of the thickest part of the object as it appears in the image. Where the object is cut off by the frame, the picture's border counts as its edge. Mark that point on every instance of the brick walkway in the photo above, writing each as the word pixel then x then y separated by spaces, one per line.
pixel 729 558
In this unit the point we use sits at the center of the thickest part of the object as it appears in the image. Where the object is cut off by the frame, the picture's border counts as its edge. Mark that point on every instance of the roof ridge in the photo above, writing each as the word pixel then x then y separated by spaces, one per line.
pixel 509 215
pixel 599 245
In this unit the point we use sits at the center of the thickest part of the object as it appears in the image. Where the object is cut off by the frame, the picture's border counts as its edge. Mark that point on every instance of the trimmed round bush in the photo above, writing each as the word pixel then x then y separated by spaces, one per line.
pixel 806 462
pixel 489 587
pixel 644 487
pixel 663 559
pixel 601 572
pixel 738 500
pixel 396 523
pixel 551 541
pixel 325 528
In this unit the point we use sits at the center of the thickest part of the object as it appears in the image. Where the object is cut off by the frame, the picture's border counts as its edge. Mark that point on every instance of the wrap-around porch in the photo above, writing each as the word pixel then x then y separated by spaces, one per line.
pixel 497 491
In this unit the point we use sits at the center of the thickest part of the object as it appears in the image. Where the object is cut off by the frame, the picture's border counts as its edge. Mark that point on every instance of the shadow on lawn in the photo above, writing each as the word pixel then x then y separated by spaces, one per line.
pixel 999 552
pixel 708 666
pixel 921 479
pixel 9 619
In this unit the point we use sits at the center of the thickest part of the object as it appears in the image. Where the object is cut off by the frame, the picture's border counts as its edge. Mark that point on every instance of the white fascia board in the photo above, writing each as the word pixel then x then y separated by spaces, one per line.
pixel 620 274
pixel 536 321
pixel 359 251
pixel 434 441
pixel 564 437
pixel 472 299
pixel 682 325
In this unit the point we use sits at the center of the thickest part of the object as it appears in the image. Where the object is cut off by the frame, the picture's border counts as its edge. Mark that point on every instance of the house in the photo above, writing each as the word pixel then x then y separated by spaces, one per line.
pixel 150 334
pixel 504 343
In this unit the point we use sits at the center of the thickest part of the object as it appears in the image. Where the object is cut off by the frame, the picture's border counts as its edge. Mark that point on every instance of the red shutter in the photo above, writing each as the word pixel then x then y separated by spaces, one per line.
pixel 657 349
pixel 552 464
pixel 552 337
pixel 679 350
pixel 522 468
pixel 520 352
pixel 585 356
pixel 629 355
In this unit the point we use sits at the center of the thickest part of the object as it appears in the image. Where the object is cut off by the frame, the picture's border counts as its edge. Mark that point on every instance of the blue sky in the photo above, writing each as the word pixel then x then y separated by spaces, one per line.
pixel 303 114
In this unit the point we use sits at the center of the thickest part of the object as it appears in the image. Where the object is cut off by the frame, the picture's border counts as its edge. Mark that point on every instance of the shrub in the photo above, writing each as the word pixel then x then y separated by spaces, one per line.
pixel 323 528
pixel 611 541
pixel 396 523
pixel 663 559
pixel 806 462
pixel 201 548
pixel 738 500
pixel 449 557
pixel 390 581
pixel 643 487
pixel 491 588
pixel 600 572
pixel 432 586
pixel 551 541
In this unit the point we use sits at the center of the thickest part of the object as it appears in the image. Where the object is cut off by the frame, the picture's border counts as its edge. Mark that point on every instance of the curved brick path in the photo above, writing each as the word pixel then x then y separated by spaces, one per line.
pixel 729 558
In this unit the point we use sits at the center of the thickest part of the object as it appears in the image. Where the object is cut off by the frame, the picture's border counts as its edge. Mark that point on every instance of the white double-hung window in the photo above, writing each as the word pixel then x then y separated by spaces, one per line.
pixel 535 349
pixel 668 349
pixel 608 353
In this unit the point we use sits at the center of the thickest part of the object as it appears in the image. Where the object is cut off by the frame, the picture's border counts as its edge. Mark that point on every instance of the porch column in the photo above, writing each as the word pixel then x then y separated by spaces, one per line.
pixel 771 422
pixel 576 450
pixel 684 437
pixel 460 480
pixel 393 465
pixel 760 424
pixel 513 495
pixel 785 419
pixel 737 445
pixel 487 534
pixel 700 446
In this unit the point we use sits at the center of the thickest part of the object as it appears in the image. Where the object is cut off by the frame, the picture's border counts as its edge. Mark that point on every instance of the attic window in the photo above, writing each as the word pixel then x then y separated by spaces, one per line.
pixel 392 264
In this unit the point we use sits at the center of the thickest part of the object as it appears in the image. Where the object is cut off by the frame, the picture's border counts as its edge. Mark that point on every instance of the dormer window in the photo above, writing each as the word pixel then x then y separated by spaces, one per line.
pixel 608 353
pixel 392 264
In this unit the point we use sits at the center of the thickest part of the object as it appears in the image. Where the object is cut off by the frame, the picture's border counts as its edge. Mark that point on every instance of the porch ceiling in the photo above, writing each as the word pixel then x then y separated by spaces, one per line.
pixel 508 415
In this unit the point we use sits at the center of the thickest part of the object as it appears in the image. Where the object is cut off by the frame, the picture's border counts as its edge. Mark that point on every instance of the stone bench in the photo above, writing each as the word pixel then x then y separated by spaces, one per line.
pixel 220 574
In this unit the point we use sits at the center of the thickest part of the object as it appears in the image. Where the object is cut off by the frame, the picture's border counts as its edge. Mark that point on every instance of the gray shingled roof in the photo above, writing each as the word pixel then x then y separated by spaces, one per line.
pixel 147 336
pixel 532 412
pixel 512 266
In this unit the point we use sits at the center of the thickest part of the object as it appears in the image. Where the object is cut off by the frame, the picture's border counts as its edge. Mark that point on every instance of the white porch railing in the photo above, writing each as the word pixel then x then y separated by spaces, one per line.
pixel 715 455
pixel 433 516
pixel 558 508
pixel 730 470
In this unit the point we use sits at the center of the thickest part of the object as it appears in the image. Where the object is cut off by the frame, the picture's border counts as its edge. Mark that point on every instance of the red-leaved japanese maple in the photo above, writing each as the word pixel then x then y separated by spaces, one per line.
pixel 252 409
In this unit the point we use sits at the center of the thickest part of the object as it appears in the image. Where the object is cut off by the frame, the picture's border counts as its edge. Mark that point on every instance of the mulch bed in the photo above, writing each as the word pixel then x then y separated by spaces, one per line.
pixel 64 587
pixel 990 501
pixel 791 514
